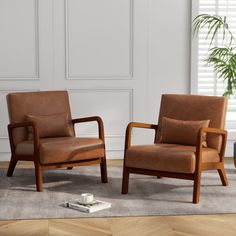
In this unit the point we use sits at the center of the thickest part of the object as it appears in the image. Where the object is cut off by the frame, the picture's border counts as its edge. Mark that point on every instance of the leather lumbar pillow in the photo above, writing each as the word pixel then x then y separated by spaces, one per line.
pixel 54 125
pixel 181 131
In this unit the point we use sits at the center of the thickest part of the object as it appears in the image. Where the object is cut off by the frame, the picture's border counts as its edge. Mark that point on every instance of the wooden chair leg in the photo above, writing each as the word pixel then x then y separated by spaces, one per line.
pixel 11 167
pixel 103 168
pixel 125 181
pixel 196 187
pixel 39 177
pixel 223 176
pixel 69 168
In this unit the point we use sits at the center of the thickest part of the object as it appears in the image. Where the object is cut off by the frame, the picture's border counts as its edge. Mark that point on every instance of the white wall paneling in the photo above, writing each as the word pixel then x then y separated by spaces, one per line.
pixel 19 47
pixel 115 57
pixel 169 50
pixel 99 39
pixel 114 105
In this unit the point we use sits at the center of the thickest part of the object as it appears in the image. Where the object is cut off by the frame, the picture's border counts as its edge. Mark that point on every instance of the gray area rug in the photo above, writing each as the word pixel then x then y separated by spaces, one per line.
pixel 147 195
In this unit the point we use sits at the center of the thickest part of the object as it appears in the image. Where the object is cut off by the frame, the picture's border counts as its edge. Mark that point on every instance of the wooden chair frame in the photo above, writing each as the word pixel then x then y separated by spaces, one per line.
pixel 39 167
pixel 196 176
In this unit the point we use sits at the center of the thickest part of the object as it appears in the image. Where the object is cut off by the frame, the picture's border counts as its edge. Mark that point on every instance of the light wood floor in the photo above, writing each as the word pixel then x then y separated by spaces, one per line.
pixel 204 225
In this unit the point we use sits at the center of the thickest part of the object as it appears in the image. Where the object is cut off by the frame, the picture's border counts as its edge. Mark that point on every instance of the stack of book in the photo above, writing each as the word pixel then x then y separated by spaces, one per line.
pixel 96 205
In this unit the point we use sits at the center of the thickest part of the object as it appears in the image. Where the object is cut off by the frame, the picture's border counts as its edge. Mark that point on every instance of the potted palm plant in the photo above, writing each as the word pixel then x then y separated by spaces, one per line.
pixel 222 57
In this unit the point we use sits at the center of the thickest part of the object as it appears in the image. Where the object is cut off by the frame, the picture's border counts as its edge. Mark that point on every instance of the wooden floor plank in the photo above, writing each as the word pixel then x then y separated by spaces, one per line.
pixel 86 227
pixel 139 226
pixel 25 228
pixel 230 219
pixel 97 226
pixel 213 225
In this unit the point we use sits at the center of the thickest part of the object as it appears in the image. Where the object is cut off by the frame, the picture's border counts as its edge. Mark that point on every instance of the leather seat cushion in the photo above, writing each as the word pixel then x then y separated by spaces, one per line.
pixel 64 149
pixel 167 157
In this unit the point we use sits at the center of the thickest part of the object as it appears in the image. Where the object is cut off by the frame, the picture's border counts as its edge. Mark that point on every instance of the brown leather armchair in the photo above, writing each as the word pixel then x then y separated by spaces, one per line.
pixel 41 130
pixel 189 139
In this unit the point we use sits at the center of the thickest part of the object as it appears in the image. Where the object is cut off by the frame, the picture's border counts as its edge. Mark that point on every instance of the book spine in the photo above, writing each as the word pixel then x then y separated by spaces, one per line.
pixel 76 207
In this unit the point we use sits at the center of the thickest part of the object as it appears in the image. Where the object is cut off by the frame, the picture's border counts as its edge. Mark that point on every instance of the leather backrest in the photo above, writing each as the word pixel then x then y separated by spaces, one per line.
pixel 195 107
pixel 36 103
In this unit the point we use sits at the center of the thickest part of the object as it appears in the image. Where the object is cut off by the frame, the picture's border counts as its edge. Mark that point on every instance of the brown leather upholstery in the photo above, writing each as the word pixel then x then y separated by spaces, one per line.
pixel 181 132
pixel 36 103
pixel 65 149
pixel 178 150
pixel 59 125
pixel 167 157
pixel 41 130
pixel 193 107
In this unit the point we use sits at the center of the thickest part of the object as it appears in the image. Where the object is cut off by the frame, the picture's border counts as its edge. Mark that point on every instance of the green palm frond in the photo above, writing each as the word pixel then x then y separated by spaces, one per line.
pixel 223 61
pixel 214 24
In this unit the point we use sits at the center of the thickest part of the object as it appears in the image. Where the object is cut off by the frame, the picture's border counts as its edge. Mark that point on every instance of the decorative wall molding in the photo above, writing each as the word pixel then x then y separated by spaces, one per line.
pixel 36 75
pixel 68 76
pixel 103 90
pixel 115 90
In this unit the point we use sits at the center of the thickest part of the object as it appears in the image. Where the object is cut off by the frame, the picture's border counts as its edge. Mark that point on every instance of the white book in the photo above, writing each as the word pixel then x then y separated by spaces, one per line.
pixel 96 205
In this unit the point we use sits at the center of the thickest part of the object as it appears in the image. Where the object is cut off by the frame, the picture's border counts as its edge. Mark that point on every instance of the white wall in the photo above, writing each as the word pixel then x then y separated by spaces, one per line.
pixel 115 57
pixel 169 50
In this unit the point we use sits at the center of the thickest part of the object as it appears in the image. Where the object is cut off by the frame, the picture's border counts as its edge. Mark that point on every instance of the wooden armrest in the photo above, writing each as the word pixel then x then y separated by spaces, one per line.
pixel 91 119
pixel 142 125
pixel 136 125
pixel 200 139
pixel 20 124
pixel 13 126
pixel 213 131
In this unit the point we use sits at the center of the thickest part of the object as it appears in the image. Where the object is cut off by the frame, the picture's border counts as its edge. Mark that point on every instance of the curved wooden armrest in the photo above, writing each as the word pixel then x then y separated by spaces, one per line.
pixel 13 126
pixel 91 119
pixel 20 124
pixel 132 125
pixel 200 139
pixel 213 131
